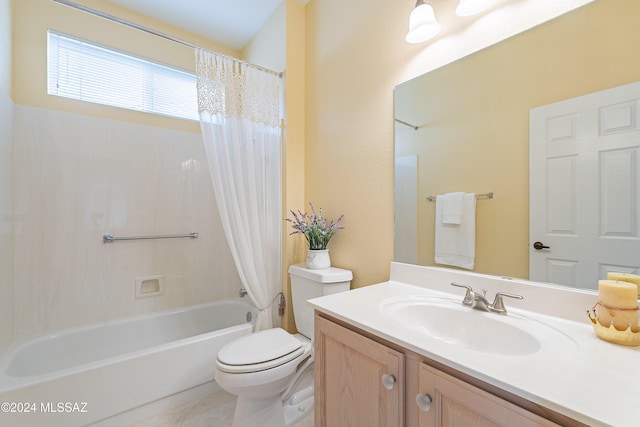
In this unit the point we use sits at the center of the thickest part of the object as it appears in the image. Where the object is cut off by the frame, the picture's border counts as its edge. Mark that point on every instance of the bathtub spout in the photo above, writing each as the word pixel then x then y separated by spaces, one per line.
pixel 243 292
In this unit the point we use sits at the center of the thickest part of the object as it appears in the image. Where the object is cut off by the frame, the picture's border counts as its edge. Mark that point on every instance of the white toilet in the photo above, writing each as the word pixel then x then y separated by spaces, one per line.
pixel 271 371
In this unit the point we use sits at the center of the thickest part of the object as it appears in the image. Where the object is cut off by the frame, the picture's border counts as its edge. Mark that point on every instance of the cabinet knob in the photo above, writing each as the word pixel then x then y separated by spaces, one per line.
pixel 423 401
pixel 388 381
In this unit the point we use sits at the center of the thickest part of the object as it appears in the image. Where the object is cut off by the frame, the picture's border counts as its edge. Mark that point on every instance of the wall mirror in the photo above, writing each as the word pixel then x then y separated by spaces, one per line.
pixel 465 127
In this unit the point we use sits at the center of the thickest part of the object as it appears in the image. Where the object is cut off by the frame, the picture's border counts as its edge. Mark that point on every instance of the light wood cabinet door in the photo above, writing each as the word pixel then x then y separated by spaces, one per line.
pixel 445 401
pixel 358 382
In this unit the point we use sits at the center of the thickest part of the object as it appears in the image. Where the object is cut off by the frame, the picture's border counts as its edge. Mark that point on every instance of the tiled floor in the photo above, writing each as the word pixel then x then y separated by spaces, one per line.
pixel 214 410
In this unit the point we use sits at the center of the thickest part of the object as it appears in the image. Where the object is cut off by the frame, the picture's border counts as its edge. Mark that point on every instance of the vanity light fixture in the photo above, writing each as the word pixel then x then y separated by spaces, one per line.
pixel 422 23
pixel 471 7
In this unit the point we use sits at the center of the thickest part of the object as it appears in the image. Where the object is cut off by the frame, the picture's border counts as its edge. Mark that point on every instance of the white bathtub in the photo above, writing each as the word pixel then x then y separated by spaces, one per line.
pixel 81 376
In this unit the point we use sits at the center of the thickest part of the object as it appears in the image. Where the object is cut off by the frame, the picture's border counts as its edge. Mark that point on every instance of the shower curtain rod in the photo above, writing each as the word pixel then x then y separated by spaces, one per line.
pixel 149 30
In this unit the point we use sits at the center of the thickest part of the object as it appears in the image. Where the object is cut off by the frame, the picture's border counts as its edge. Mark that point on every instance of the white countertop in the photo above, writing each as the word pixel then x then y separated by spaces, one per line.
pixel 588 379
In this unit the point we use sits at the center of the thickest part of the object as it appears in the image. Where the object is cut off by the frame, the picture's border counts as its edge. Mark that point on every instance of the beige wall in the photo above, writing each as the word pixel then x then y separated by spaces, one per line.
pixel 268 47
pixel 350 71
pixel 356 55
pixel 474 118
pixel 32 19
pixel 294 152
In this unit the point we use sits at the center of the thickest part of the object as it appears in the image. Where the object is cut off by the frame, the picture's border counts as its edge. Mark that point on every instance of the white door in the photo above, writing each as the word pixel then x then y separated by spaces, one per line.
pixel 585 187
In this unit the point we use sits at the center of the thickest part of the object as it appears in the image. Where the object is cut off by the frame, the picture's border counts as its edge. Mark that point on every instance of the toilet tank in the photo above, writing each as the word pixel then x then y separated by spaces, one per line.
pixel 307 284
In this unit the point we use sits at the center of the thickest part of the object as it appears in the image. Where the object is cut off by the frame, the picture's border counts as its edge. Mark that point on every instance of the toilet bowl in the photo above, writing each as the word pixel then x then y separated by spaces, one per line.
pixel 271 371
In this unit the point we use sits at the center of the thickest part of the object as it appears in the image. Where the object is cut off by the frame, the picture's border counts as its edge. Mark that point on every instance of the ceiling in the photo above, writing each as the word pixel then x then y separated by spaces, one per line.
pixel 232 23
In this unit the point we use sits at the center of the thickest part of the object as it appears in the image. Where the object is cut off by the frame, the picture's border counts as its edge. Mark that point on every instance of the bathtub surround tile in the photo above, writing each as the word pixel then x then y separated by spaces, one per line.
pixel 6 220
pixel 78 177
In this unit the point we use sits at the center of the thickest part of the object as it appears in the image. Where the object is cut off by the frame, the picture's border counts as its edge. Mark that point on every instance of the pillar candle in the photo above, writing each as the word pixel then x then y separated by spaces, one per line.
pixel 618 301
pixel 625 277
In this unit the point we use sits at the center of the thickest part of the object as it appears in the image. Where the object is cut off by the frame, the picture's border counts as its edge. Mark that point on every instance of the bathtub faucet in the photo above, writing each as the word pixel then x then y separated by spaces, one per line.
pixel 242 292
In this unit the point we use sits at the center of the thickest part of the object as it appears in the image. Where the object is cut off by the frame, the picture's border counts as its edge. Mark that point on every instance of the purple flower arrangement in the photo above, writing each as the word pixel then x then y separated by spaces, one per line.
pixel 317 230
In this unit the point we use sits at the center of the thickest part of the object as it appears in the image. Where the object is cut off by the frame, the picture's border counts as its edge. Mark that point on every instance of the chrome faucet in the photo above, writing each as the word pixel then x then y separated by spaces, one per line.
pixel 479 302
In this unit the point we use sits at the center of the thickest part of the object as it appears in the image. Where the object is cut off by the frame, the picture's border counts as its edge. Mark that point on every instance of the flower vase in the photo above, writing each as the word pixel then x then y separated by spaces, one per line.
pixel 318 259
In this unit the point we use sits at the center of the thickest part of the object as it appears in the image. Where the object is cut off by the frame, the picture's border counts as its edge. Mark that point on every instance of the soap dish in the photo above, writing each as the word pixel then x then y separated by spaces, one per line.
pixel 629 337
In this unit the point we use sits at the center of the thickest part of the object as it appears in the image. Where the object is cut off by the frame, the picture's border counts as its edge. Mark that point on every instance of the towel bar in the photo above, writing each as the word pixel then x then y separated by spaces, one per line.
pixel 488 195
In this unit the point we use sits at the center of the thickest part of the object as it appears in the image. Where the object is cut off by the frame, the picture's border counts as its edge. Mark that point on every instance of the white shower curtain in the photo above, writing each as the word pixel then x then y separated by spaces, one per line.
pixel 240 118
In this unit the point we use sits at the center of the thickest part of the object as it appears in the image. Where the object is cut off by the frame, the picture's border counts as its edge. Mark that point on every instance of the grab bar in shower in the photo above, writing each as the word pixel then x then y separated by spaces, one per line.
pixel 108 238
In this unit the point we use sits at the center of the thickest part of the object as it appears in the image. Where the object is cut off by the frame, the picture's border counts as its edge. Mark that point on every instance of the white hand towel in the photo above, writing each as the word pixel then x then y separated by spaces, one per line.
pixel 452 208
pixel 455 244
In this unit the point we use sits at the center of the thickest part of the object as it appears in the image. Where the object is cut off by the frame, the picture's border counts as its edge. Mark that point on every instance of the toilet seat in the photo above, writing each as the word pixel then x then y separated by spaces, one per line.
pixel 259 351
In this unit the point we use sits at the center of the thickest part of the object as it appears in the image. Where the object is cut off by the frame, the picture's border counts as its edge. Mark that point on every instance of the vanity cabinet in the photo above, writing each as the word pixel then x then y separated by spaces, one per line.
pixel 444 400
pixel 360 380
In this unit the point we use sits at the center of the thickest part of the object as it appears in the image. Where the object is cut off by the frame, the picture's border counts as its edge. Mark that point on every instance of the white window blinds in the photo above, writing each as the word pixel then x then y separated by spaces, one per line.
pixel 85 71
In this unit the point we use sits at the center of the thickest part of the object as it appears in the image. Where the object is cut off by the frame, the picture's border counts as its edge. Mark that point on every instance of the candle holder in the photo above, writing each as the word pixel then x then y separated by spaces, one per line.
pixel 629 337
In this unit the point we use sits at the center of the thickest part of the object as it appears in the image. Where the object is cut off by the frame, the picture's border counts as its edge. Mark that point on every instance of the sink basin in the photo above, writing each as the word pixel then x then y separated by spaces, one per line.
pixel 450 322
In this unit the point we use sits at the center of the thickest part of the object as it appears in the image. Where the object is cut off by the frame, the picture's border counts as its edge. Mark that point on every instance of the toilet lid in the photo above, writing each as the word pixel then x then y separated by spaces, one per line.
pixel 268 348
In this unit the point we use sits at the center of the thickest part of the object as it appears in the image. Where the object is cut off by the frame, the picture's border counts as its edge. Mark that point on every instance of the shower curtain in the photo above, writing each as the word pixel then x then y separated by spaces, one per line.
pixel 240 118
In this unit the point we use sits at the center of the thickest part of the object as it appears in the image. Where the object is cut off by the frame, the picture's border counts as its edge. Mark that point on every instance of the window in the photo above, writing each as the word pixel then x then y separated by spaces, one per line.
pixel 85 71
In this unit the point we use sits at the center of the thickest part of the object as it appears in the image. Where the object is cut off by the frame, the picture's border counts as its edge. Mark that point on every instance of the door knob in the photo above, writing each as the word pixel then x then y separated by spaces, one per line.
pixel 423 401
pixel 388 381
pixel 540 246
